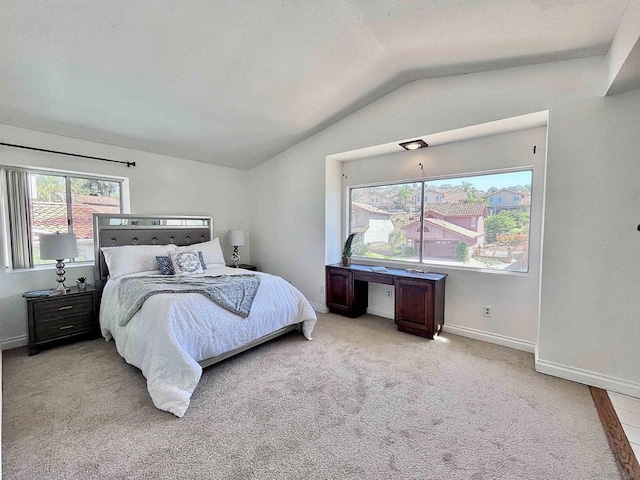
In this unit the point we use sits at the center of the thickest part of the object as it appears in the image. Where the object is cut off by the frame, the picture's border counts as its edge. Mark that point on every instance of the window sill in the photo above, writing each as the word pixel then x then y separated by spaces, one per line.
pixel 435 267
pixel 52 267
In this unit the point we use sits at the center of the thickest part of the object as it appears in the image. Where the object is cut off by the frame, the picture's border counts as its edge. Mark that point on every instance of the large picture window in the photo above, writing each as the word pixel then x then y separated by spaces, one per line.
pixel 479 221
pixel 47 202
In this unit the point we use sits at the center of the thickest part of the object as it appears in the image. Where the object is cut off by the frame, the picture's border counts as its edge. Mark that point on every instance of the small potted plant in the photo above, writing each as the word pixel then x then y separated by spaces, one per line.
pixel 347 251
pixel 82 283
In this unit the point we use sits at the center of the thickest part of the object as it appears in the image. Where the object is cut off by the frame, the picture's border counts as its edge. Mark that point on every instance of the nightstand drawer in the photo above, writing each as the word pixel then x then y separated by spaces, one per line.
pixel 63 326
pixel 54 309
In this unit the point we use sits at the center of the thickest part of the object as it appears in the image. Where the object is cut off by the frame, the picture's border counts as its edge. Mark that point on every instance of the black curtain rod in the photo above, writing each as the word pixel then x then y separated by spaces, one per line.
pixel 128 164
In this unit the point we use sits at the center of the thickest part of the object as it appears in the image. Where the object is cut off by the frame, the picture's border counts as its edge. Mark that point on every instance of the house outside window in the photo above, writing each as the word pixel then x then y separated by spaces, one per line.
pixel 61 203
pixel 494 240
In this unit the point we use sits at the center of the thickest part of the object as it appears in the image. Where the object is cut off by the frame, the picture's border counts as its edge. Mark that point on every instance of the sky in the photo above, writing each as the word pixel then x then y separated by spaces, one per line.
pixel 483 182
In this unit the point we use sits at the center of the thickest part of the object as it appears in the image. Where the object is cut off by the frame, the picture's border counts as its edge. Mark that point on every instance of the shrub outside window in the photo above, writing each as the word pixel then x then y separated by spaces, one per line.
pixel 479 221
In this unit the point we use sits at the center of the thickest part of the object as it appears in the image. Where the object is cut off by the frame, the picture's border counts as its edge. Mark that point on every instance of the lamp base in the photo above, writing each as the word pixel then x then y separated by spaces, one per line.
pixel 60 277
pixel 235 257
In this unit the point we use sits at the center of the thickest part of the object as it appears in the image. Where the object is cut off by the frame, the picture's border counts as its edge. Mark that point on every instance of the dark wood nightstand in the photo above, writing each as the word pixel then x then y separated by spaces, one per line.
pixel 61 317
pixel 246 266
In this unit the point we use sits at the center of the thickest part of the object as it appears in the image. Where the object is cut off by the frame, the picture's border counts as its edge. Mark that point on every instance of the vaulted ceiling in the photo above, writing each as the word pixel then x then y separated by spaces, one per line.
pixel 235 82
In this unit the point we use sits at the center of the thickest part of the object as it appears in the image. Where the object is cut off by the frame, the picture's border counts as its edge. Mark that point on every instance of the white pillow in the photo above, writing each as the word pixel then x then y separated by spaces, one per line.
pixel 211 251
pixel 186 262
pixel 129 259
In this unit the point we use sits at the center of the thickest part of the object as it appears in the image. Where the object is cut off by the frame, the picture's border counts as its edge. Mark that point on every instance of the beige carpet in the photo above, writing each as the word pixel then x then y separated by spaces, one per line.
pixel 360 401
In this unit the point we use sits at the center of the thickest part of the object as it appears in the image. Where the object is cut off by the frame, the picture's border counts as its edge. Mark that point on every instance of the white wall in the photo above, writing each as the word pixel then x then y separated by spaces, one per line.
pixel 622 58
pixel 590 312
pixel 158 185
pixel 514 297
pixel 289 195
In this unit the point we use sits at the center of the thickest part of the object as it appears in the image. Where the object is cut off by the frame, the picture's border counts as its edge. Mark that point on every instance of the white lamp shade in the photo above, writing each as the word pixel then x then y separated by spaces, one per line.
pixel 236 238
pixel 58 246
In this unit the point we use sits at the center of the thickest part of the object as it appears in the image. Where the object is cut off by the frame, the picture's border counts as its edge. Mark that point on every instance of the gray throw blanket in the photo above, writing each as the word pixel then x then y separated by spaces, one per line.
pixel 233 292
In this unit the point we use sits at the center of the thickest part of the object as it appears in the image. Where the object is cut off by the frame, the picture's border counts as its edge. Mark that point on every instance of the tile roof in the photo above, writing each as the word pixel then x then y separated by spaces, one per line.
pixel 50 217
pixel 369 208
pixel 453 227
pixel 457 209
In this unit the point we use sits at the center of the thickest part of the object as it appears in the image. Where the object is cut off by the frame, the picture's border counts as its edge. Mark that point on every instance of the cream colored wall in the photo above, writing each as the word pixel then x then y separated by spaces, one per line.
pixel 158 184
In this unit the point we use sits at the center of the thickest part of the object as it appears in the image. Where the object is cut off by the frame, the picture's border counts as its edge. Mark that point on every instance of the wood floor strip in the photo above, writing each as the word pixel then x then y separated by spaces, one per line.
pixel 627 462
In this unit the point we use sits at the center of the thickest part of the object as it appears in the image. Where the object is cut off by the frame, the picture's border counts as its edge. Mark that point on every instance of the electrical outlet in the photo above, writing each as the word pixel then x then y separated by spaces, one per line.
pixel 487 311
pixel 389 293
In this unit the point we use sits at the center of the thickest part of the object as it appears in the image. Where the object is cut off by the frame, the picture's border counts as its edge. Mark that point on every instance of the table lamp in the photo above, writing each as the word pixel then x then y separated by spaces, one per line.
pixel 236 239
pixel 58 246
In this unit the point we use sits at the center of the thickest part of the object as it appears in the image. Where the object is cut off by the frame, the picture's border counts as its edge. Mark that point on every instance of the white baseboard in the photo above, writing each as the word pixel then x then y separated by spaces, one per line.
pixel 381 312
pixel 588 377
pixel 371 310
pixel 320 308
pixel 578 375
pixel 469 332
pixel 14 342
pixel 505 341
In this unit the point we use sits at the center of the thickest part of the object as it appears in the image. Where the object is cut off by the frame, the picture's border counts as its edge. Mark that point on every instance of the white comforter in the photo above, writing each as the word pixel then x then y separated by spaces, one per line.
pixel 171 333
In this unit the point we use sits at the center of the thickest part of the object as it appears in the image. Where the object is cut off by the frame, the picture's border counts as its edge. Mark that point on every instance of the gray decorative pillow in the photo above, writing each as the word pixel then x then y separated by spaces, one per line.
pixel 204 265
pixel 164 265
pixel 186 262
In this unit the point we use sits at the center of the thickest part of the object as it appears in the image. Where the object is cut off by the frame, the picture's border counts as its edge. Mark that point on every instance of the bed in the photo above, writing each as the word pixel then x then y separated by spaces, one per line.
pixel 174 334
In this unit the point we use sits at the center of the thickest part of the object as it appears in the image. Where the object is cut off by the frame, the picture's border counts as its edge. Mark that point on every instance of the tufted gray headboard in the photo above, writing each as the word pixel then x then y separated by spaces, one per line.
pixel 114 230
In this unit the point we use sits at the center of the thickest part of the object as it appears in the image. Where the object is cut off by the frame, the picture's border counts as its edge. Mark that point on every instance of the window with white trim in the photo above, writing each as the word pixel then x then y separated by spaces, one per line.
pixel 39 202
pixel 464 233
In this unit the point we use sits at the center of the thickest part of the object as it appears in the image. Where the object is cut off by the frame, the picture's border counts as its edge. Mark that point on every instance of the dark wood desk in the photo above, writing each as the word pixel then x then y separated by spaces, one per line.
pixel 419 297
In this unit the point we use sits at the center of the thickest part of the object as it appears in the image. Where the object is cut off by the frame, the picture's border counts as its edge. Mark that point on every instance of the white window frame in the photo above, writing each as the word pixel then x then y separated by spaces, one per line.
pixel 424 181
pixel 123 181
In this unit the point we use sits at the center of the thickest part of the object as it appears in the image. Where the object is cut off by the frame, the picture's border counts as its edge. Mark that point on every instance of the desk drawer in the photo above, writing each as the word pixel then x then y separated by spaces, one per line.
pixel 63 327
pixel 373 277
pixel 63 307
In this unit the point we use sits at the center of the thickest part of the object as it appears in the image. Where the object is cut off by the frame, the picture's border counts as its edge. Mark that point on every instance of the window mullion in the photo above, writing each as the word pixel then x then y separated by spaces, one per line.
pixel 67 182
pixel 421 223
